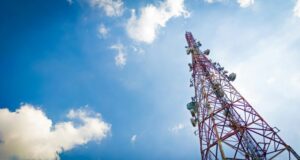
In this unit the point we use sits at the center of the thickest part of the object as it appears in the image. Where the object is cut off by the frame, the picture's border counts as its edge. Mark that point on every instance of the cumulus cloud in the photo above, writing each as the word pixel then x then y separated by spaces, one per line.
pixel 245 3
pixel 110 7
pixel 242 3
pixel 152 18
pixel 103 31
pixel 28 133
pixel 133 139
pixel 120 58
pixel 177 128
pixel 297 9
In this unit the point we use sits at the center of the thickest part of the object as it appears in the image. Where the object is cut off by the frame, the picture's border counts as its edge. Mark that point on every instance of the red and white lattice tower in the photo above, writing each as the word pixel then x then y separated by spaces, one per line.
pixel 228 126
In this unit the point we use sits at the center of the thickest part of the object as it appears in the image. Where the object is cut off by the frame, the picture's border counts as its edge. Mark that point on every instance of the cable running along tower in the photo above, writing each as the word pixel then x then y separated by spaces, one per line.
pixel 228 126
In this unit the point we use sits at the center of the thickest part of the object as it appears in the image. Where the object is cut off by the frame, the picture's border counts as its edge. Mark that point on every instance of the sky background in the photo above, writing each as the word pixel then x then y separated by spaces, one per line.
pixel 70 66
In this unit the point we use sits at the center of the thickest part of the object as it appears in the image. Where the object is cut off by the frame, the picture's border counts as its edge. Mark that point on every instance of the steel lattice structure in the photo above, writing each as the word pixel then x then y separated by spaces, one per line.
pixel 228 126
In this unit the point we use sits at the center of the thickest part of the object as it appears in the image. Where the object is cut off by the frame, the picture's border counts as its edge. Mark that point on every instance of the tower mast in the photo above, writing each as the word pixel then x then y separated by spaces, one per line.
pixel 228 126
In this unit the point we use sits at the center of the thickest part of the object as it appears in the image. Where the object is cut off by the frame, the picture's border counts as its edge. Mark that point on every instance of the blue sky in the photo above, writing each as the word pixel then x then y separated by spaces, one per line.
pixel 121 66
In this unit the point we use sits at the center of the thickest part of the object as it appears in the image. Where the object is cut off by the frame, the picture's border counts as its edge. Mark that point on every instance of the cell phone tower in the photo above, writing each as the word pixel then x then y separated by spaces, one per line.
pixel 228 126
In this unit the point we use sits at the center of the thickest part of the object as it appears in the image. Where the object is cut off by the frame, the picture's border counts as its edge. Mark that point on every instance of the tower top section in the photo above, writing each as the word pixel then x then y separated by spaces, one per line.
pixel 190 39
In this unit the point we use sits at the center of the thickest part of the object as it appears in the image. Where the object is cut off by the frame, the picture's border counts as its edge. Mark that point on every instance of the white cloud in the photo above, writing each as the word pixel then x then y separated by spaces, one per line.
pixel 213 1
pixel 120 58
pixel 297 9
pixel 209 1
pixel 242 3
pixel 103 30
pixel 245 3
pixel 28 133
pixel 137 49
pixel 110 7
pixel 152 18
pixel 133 139
pixel 177 128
